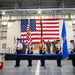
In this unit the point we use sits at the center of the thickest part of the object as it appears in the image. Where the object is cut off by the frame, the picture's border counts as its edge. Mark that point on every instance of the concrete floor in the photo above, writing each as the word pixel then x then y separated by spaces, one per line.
pixel 50 69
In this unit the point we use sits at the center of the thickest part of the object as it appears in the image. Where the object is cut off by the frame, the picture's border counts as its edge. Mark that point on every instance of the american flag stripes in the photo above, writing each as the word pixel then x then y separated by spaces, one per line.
pixel 28 35
pixel 50 30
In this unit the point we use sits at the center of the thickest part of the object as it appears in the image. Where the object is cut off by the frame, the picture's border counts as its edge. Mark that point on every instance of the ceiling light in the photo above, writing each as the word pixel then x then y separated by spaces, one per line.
pixel 3 12
pixel 39 12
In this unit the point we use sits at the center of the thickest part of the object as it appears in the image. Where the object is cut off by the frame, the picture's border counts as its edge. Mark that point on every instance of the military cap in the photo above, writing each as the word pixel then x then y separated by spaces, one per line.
pixel 18 38
pixel 58 40
pixel 71 40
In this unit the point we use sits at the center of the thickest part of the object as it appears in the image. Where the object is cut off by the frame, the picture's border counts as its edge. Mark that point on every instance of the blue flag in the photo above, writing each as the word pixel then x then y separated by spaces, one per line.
pixel 64 48
pixel 26 42
pixel 20 40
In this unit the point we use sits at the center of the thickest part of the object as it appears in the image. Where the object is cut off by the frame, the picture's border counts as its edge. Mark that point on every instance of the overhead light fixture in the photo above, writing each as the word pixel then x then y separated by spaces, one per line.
pixel 3 12
pixel 39 11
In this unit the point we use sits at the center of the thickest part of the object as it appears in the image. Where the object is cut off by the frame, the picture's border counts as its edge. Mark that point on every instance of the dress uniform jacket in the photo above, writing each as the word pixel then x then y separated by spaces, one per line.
pixel 18 51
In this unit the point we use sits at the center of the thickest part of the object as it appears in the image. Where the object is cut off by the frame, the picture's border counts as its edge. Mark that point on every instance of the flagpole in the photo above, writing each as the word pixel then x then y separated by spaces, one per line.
pixel 41 28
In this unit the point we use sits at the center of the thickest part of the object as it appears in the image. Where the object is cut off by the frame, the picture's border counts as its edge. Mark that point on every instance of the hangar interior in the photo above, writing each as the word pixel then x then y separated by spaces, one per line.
pixel 12 11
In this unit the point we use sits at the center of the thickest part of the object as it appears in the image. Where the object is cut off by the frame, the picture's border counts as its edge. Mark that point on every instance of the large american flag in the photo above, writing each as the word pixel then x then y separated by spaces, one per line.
pixel 50 29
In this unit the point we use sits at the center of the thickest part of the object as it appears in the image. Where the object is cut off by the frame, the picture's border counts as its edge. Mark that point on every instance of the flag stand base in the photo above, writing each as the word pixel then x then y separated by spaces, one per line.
pixel 1 65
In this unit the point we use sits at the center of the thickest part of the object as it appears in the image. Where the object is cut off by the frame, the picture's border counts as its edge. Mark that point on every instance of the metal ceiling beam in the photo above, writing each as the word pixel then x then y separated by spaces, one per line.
pixel 13 20
pixel 37 9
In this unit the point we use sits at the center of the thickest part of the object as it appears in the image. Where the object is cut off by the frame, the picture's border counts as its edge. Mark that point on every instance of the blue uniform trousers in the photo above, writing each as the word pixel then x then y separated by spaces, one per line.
pixel 58 58
pixel 29 58
pixel 73 60
pixel 18 57
pixel 42 58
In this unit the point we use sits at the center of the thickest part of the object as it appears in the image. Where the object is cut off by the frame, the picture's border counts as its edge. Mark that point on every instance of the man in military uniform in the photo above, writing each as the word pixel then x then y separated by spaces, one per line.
pixel 48 45
pixel 54 46
pixel 72 50
pixel 18 49
pixel 58 51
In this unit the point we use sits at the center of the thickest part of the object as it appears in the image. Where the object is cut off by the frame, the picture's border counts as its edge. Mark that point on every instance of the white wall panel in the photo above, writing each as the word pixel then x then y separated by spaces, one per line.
pixel 13 31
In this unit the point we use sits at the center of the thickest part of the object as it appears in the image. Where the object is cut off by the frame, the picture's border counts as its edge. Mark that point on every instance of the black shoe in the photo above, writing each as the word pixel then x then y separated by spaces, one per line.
pixel 42 65
pixel 19 64
pixel 16 66
pixel 73 65
pixel 29 65
pixel 59 66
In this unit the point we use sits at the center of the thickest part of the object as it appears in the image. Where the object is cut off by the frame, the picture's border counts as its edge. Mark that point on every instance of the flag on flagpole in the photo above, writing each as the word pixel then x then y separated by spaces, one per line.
pixel 29 33
pixel 64 47
pixel 26 42
pixel 14 40
pixel 23 39
pixel 20 40
pixel 50 29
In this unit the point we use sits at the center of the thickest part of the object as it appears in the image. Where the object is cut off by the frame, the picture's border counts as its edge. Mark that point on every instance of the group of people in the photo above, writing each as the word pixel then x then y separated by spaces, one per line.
pixel 42 50
pixel 72 50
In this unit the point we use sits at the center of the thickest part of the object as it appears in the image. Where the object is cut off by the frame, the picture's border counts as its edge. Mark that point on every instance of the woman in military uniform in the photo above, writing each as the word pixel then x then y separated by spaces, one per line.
pixel 42 50
pixel 30 51
pixel 58 51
